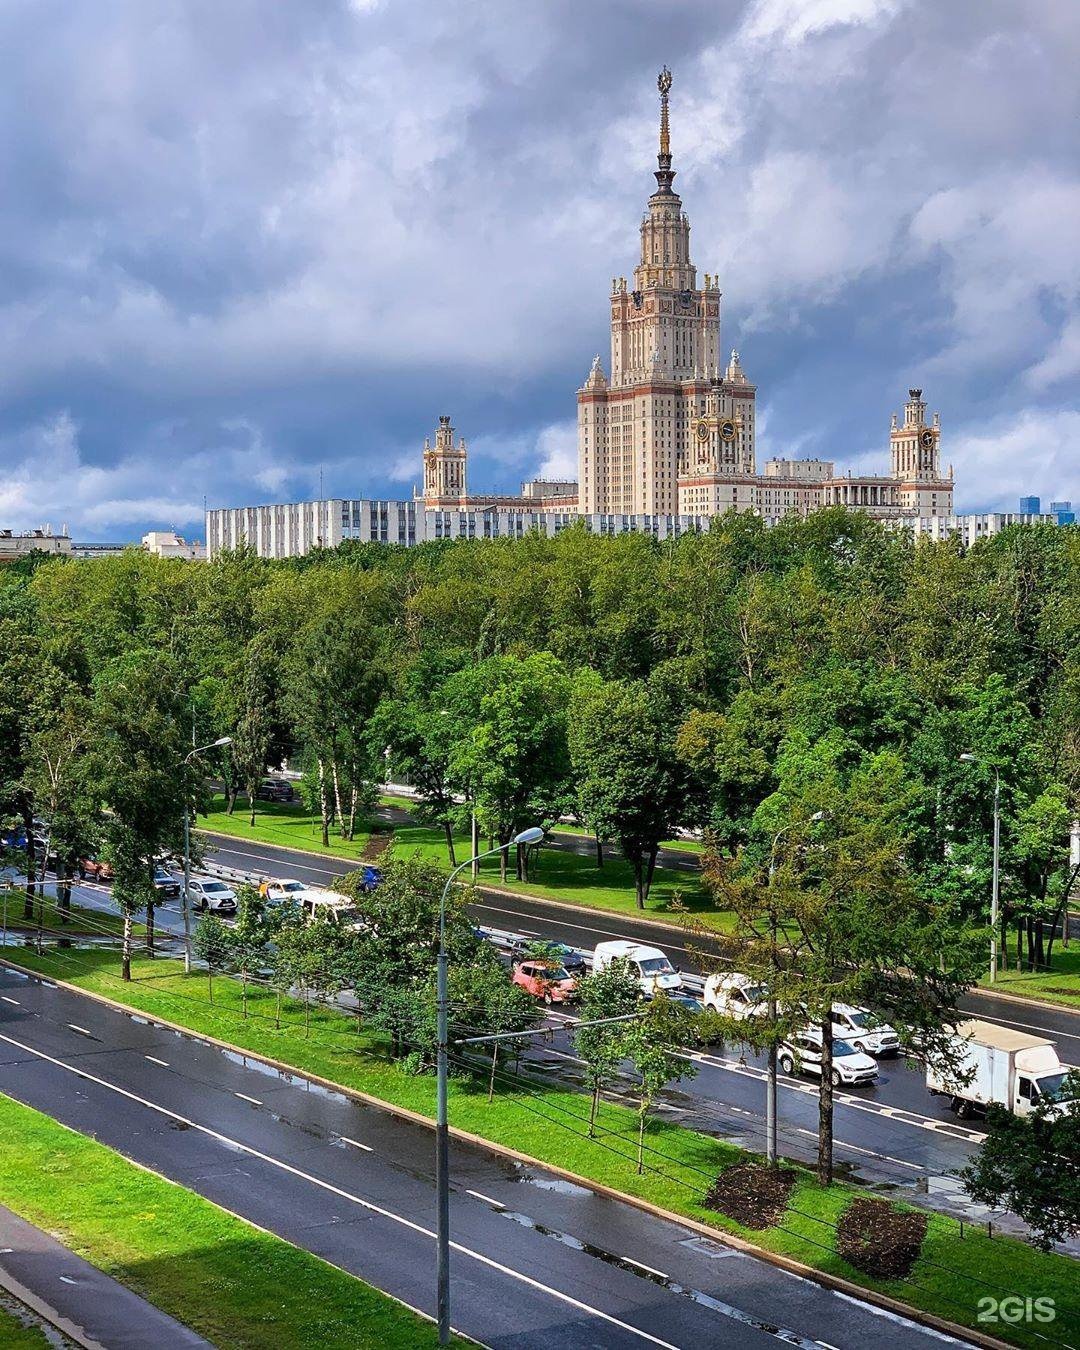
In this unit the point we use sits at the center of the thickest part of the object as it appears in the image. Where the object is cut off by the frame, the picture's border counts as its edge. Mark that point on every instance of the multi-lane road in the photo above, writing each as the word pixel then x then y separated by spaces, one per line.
pixel 533 1256
pixel 893 1134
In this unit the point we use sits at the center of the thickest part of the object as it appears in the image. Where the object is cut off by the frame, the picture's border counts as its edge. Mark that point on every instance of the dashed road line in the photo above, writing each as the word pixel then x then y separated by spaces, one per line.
pixel 244 1097
pixel 154 1060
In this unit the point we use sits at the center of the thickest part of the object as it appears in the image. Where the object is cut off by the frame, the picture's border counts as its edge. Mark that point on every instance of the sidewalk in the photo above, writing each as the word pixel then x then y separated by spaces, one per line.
pixel 85 1304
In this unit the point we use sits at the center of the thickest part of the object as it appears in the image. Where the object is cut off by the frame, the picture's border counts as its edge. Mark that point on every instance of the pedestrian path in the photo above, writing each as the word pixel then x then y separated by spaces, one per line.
pixel 87 1306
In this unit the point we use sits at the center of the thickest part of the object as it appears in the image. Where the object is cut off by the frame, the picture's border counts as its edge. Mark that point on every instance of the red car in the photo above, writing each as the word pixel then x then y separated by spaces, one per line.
pixel 551 983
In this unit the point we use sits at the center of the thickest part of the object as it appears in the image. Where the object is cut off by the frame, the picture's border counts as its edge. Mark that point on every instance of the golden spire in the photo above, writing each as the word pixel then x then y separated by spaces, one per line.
pixel 664 173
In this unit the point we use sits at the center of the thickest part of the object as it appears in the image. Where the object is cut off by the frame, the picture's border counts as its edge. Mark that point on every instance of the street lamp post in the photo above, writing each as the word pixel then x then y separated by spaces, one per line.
pixel 771 1075
pixel 995 883
pixel 442 1132
pixel 186 906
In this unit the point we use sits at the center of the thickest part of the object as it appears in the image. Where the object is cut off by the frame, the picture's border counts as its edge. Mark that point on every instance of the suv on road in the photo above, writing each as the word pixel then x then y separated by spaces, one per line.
pixel 735 995
pixel 524 949
pixel 802 1054
pixel 207 894
pixel 860 1028
pixel 275 790
pixel 165 883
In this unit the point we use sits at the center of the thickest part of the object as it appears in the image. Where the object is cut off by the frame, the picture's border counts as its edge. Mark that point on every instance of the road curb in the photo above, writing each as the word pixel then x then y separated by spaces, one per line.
pixel 1023 1001
pixel 47 1312
pixel 824 1278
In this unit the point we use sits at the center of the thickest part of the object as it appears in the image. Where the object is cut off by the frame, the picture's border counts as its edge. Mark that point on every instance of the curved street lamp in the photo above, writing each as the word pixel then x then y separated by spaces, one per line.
pixel 533 835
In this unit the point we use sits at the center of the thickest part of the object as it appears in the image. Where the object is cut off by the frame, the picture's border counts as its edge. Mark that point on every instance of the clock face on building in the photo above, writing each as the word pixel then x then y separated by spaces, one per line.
pixel 927 439
pixel 727 430
pixel 703 431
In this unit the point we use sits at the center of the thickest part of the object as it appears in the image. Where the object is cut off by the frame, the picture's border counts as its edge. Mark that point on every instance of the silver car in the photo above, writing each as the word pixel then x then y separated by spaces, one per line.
pixel 212 895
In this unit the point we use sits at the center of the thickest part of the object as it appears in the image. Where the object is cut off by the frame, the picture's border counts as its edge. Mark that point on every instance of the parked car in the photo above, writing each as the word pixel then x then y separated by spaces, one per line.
pixel 735 995
pixel 802 1054
pixel 371 878
pixel 95 869
pixel 653 969
pixel 542 979
pixel 275 790
pixel 572 960
pixel 860 1028
pixel 207 894
pixel 282 890
pixel 165 883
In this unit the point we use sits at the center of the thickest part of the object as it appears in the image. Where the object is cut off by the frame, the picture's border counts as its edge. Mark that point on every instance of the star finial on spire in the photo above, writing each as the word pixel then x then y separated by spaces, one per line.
pixel 664 173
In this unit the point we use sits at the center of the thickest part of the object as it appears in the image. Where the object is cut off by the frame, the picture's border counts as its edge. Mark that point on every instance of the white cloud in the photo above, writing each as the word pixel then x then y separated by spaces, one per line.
pixel 1034 451
pixel 556 446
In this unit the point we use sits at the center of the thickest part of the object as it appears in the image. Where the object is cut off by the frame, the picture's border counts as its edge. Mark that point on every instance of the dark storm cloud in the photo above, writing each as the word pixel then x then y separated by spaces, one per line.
pixel 242 244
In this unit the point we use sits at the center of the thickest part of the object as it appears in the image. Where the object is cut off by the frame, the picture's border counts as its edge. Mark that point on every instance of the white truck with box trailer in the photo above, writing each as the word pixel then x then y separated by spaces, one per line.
pixel 1004 1067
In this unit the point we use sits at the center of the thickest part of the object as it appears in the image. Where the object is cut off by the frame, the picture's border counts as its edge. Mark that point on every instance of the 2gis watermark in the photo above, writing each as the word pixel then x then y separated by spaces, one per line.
pixel 1016 1308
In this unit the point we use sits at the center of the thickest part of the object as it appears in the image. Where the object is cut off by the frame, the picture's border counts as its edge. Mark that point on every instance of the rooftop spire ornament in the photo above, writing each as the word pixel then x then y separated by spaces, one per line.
pixel 664 174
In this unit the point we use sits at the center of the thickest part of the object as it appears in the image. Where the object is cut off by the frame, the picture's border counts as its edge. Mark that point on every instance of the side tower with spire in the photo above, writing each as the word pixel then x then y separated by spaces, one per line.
pixel 640 429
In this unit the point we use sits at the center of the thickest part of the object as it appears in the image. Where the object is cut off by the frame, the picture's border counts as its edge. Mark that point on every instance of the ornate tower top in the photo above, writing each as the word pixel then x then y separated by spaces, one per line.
pixel 664 174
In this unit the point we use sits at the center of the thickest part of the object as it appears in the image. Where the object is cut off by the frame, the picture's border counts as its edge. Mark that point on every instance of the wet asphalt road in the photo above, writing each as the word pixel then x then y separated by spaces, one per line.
pixel 535 1258
pixel 893 1135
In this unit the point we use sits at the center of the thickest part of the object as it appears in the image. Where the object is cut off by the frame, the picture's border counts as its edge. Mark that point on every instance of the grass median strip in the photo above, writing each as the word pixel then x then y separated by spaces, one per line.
pixel 956 1268
pixel 234 1284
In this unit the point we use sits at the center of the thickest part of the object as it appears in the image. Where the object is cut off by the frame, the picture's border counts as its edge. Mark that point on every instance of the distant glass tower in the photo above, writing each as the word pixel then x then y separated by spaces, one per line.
pixel 1030 506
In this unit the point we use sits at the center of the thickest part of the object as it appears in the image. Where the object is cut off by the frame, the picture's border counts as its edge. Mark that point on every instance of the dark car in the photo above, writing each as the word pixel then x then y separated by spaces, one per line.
pixel 275 790
pixel 165 883
pixel 573 962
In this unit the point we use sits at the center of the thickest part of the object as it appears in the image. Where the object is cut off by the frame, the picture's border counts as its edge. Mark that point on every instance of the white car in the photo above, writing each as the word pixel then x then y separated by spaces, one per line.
pixel 284 890
pixel 212 895
pixel 802 1054
pixel 861 1029
pixel 652 968
pixel 735 995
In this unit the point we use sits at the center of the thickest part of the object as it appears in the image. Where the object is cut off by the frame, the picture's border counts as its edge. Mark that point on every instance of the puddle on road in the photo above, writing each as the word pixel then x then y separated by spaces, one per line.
pixel 657 1277
pixel 556 1184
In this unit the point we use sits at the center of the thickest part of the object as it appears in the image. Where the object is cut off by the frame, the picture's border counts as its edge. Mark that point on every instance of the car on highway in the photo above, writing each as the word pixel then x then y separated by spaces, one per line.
pixel 275 790
pixel 543 979
pixel 522 948
pixel 652 968
pixel 282 890
pixel 851 1067
pixel 165 883
pixel 735 995
pixel 208 894
pixel 94 869
pixel 330 907
pixel 862 1029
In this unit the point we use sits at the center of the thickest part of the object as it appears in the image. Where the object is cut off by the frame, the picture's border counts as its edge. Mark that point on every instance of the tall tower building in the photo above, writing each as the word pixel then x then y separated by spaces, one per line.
pixel 444 467
pixel 916 461
pixel 640 430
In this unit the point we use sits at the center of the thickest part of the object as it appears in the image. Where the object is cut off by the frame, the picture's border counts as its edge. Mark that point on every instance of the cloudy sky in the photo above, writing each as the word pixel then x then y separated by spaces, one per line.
pixel 247 246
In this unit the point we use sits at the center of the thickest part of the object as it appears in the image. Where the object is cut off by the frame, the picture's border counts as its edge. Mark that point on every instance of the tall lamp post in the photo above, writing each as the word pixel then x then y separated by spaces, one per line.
pixel 770 1081
pixel 442 1132
pixel 995 885
pixel 197 750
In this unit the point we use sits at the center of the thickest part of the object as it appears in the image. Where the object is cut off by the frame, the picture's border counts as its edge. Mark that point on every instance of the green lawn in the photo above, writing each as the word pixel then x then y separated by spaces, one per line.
pixel 1061 984
pixel 287 824
pixel 15 1334
pixel 84 922
pixel 234 1284
pixel 549 1125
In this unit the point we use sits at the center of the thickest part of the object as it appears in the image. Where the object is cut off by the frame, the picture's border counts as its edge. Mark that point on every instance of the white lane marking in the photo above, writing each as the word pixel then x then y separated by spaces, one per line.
pixel 479 1195
pixel 154 1060
pixel 81 1030
pixel 870 1153
pixel 642 1266
pixel 344 1195
pixel 244 1097
pixel 68 1280
pixel 910 1118
pixel 11 1000
pixel 356 1143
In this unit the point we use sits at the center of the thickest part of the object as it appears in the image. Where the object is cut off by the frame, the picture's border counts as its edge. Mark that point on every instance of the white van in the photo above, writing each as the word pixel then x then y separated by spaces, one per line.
pixel 653 969
pixel 735 995
pixel 331 907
